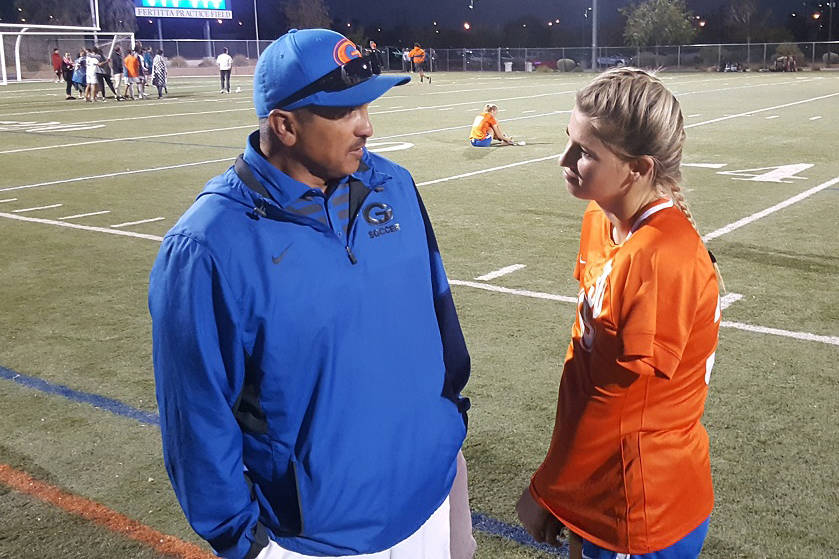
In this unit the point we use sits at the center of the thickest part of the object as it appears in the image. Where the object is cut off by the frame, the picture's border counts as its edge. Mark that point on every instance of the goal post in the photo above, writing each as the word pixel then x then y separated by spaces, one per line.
pixel 28 49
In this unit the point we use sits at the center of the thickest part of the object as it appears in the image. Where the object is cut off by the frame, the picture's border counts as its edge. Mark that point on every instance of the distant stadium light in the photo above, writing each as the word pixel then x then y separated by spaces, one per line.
pixel 816 15
pixel 466 25
pixel 550 23
pixel 701 23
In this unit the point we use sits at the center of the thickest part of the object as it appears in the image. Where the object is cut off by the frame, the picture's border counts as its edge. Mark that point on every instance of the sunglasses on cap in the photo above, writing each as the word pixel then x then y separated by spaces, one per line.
pixel 347 75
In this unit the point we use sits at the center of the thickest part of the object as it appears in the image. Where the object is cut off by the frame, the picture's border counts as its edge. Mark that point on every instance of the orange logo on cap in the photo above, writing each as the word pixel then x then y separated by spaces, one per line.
pixel 345 51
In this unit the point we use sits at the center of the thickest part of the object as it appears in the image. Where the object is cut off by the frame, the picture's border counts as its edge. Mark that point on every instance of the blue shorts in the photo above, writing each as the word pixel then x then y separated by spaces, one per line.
pixel 686 548
pixel 482 143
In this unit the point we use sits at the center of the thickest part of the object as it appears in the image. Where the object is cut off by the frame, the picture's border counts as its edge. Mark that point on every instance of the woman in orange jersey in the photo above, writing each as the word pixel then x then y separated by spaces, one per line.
pixel 628 469
pixel 485 128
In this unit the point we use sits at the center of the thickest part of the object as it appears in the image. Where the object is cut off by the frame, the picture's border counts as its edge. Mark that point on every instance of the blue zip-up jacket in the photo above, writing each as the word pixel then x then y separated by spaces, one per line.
pixel 308 381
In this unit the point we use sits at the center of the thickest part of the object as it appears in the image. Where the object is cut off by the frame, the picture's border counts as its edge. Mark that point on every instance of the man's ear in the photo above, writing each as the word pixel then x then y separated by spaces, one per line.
pixel 285 126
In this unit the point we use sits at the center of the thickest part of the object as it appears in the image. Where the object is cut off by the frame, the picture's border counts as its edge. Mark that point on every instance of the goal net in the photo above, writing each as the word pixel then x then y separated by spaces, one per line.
pixel 26 55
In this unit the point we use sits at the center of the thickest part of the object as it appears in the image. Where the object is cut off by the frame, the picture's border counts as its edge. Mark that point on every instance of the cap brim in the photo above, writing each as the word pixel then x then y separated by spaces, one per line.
pixel 361 94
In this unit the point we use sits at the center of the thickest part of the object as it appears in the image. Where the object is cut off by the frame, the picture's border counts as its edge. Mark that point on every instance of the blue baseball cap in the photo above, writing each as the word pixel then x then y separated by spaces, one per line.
pixel 301 57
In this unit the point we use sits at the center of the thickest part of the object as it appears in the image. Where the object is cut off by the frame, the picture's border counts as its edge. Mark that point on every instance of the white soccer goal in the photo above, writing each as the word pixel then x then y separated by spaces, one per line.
pixel 30 50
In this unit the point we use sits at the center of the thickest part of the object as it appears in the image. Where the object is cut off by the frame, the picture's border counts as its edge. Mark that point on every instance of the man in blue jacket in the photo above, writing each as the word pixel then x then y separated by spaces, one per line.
pixel 308 358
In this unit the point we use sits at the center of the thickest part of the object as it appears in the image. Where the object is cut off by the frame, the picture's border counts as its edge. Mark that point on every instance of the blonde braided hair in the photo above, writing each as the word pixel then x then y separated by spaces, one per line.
pixel 635 115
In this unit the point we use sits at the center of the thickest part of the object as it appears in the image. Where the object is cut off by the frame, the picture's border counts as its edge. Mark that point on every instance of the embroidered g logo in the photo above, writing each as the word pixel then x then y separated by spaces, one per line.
pixel 345 51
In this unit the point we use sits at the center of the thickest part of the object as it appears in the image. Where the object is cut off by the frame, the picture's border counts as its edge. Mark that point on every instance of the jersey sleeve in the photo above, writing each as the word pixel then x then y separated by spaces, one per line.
pixel 656 315
pixel 199 371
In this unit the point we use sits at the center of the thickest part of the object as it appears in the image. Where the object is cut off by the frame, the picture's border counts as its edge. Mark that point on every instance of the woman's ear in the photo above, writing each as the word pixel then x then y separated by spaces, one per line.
pixel 642 167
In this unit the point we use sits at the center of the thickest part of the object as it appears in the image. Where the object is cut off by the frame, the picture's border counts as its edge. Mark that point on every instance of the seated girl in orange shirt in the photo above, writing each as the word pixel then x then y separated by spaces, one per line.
pixel 485 128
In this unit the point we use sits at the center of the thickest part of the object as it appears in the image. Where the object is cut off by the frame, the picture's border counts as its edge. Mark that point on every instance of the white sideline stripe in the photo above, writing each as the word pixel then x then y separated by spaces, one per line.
pixel 111 140
pixel 422 107
pixel 749 113
pixel 82 227
pixel 729 299
pixel 20 211
pixel 815 117
pixel 465 126
pixel 520 292
pixel 773 116
pixel 115 174
pixel 832 340
pixel 705 165
pixel 763 213
pixel 694 116
pixel 502 272
pixel 86 215
pixel 8 200
pixel 530 111
pixel 161 116
pixel 127 223
pixel 120 106
pixel 482 171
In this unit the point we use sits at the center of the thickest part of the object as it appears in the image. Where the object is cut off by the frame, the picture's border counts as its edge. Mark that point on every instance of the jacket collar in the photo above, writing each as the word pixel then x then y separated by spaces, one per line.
pixel 285 190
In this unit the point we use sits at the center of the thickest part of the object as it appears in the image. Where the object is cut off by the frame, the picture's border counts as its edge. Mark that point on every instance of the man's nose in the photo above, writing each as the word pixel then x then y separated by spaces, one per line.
pixel 365 127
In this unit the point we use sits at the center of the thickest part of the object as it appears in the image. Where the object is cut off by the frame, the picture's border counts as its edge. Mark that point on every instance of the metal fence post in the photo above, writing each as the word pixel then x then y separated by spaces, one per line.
pixel 813 45
pixel 719 56
pixel 764 55
pixel 679 58
pixel 499 59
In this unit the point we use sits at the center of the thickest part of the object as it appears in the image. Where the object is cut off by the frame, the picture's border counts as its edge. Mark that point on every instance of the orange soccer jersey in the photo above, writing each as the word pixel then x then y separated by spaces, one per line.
pixel 481 126
pixel 417 55
pixel 628 466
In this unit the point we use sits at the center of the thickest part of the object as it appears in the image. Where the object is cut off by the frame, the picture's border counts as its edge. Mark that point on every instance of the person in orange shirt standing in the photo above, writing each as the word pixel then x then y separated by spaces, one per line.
pixel 628 470
pixel 131 64
pixel 485 128
pixel 417 55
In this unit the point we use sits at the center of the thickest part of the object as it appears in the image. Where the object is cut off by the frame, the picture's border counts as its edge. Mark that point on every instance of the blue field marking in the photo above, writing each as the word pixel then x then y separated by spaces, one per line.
pixel 518 534
pixel 114 406
pixel 480 521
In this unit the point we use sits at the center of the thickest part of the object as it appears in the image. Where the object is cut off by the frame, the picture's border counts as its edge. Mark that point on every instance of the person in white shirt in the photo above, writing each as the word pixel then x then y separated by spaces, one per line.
pixel 225 65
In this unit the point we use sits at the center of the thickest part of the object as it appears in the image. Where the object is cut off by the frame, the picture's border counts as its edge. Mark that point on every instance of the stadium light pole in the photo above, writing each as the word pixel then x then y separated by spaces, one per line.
pixel 594 35
pixel 256 27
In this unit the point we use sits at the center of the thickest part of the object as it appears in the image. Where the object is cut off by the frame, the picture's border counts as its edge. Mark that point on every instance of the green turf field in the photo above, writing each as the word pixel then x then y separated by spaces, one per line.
pixel 87 190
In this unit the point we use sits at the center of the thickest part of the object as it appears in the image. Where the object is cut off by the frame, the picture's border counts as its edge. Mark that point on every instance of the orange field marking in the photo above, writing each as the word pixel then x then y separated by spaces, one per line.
pixel 100 514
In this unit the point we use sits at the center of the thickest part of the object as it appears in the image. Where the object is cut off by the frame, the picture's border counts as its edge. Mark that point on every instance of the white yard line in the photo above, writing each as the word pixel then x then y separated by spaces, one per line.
pixel 815 117
pixel 502 272
pixel 8 200
pixel 763 213
pixel 128 139
pixel 491 169
pixel 85 215
pixel 23 210
pixel 127 223
pixel 519 292
pixel 82 227
pixel 153 169
pixel 729 299
pixel 832 340
pixel 705 165
pixel 749 113
pixel 465 126
pixel 773 116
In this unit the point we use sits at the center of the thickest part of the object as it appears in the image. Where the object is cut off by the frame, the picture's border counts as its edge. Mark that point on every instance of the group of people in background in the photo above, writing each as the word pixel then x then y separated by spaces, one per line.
pixel 126 76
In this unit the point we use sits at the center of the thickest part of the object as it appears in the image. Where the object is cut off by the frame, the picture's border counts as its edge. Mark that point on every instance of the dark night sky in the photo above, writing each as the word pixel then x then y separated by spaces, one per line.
pixel 455 12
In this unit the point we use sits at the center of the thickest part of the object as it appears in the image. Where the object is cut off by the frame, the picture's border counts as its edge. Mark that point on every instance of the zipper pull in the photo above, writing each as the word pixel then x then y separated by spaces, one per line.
pixel 351 255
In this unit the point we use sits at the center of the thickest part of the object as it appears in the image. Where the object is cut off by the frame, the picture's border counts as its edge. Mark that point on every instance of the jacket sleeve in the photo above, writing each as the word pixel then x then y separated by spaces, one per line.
pixel 199 372
pixel 455 355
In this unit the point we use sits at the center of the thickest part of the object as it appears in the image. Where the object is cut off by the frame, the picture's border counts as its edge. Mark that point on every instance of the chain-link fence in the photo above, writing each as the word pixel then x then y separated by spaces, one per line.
pixel 35 55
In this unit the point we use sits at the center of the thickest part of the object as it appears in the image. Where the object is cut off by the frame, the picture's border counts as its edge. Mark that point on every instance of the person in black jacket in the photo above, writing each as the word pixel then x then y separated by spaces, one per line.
pixel 116 67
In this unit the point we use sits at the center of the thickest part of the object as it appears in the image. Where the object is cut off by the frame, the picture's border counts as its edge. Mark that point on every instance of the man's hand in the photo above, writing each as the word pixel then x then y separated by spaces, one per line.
pixel 538 522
